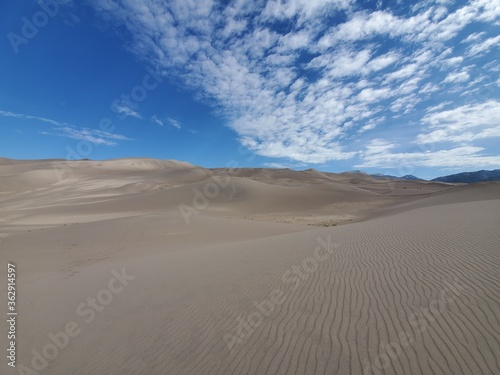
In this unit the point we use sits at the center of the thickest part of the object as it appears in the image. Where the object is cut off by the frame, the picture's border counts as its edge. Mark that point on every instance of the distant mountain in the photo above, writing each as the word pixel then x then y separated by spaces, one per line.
pixel 381 175
pixel 408 177
pixel 464 177
pixel 355 171
pixel 471 177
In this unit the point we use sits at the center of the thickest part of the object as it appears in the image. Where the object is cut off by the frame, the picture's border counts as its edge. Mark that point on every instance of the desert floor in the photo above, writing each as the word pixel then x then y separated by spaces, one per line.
pixel 140 266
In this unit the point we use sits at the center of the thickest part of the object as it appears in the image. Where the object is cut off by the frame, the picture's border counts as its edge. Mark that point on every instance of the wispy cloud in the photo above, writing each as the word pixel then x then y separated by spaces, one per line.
pixel 125 110
pixel 63 129
pixel 456 77
pixel 459 126
pixel 275 165
pixel 382 156
pixel 484 47
pixel 462 124
pixel 93 136
pixel 473 37
pixel 29 117
pixel 303 90
pixel 174 123
pixel 156 120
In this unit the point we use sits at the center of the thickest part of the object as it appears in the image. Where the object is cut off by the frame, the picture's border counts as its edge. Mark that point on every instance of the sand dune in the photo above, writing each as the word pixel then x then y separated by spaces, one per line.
pixel 410 286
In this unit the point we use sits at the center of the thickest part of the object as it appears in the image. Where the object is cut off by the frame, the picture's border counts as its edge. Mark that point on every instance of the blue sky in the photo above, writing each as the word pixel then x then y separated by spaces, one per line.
pixel 382 86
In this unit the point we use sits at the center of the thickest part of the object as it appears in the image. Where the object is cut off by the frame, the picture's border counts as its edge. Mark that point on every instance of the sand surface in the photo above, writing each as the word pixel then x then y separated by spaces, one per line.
pixel 141 266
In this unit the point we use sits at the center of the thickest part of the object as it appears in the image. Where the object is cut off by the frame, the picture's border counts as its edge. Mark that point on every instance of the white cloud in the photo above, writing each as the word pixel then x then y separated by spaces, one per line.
pixel 29 117
pixel 124 110
pixel 429 88
pixel 362 26
pixel 282 9
pixel 468 115
pixel 473 37
pixel 378 146
pixel 156 120
pixel 453 61
pixel 457 77
pixel 174 123
pixel 301 90
pixel 438 107
pixel 383 61
pixel 485 46
pixel 405 104
pixel 344 63
pixel 295 40
pixel 405 72
pixel 463 157
pixel 370 95
pixel 372 124
pixel 462 124
pixel 427 25
pixel 275 165
pixel 63 129
pixel 93 136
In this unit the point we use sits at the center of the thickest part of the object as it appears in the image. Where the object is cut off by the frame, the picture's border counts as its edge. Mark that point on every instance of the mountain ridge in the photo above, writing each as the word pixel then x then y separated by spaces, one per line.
pixel 471 177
